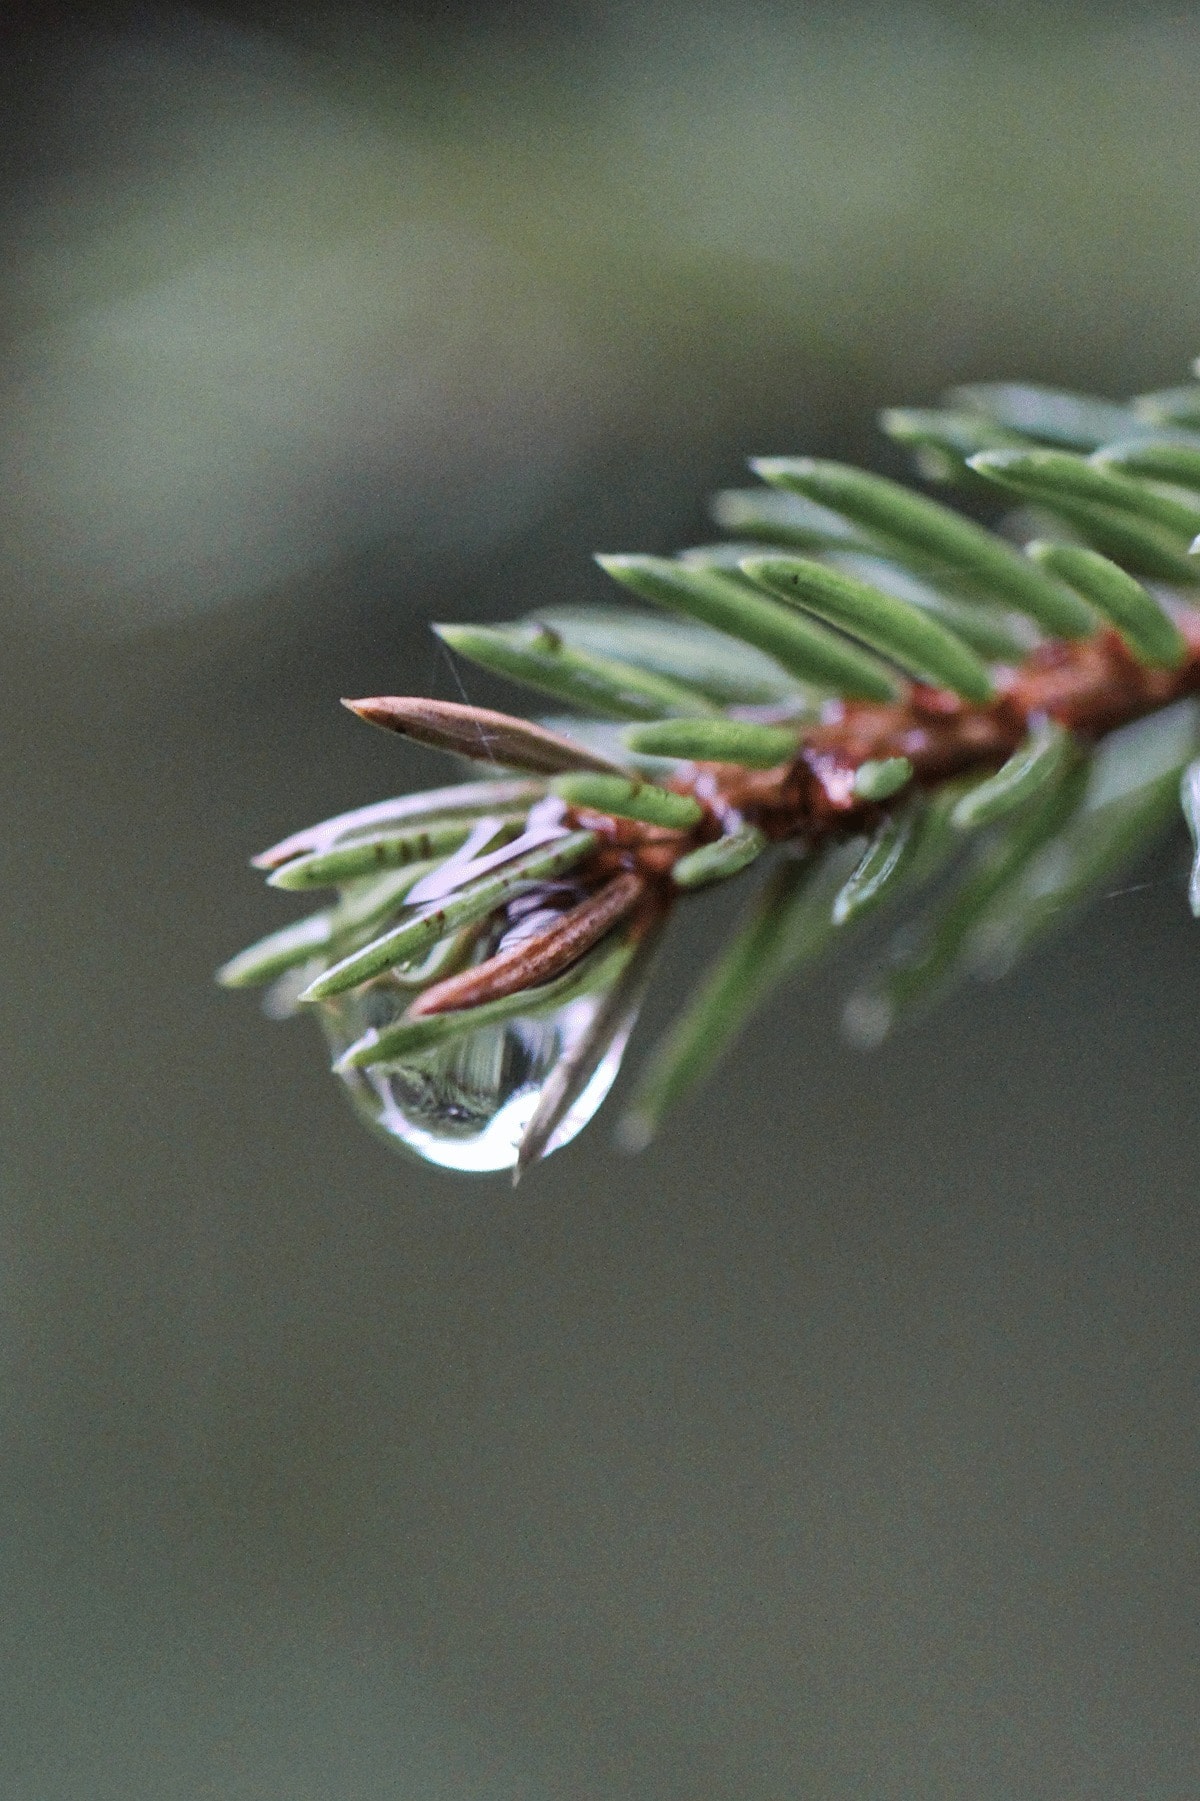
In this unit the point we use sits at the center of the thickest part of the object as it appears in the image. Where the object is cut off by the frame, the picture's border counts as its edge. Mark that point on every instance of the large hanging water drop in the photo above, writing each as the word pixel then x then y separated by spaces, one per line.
pixel 465 1104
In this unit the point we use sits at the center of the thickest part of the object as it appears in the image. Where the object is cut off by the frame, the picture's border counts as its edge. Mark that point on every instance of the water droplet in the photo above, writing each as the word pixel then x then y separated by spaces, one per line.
pixel 465 1104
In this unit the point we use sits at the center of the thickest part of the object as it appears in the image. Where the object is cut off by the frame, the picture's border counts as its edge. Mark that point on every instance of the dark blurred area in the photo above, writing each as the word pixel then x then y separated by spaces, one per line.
pixel 843 1445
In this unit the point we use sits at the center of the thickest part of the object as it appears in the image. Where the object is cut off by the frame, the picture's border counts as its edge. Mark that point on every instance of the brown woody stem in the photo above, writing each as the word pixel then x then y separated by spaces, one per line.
pixel 1090 686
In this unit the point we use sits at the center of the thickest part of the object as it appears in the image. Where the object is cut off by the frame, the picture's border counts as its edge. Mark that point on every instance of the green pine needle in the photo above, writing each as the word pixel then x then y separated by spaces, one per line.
pixel 437 920
pixel 890 626
pixel 714 741
pixel 1049 475
pixel 428 842
pixel 729 604
pixel 788 923
pixel 941 442
pixel 1146 549
pixel 880 780
pixel 466 800
pixel 1189 795
pixel 629 800
pixel 1150 632
pixel 997 635
pixel 772 517
pixel 935 951
pixel 1173 462
pixel 1040 763
pixel 909 525
pixel 1170 406
pixel 726 671
pixel 541 659
pixel 723 858
pixel 1049 415
pixel 364 905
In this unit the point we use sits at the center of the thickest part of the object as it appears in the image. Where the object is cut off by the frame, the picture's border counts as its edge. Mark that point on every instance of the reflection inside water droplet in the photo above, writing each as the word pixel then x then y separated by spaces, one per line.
pixel 465 1104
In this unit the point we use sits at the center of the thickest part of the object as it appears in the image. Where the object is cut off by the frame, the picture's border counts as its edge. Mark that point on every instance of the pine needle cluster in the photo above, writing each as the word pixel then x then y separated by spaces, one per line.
pixel 860 691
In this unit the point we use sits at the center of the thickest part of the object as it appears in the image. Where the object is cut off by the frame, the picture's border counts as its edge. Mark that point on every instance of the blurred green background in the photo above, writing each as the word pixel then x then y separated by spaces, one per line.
pixel 845 1444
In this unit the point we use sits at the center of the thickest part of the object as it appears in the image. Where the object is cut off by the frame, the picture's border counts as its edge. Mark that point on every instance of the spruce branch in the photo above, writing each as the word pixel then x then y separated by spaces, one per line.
pixel 863 688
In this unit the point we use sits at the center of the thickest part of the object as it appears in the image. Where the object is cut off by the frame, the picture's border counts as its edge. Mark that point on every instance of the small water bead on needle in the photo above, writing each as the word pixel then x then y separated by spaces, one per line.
pixel 464 1100
pixel 465 1105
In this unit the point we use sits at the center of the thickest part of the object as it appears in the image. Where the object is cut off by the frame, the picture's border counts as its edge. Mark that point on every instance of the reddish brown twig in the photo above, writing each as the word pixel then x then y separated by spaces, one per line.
pixel 1091 686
